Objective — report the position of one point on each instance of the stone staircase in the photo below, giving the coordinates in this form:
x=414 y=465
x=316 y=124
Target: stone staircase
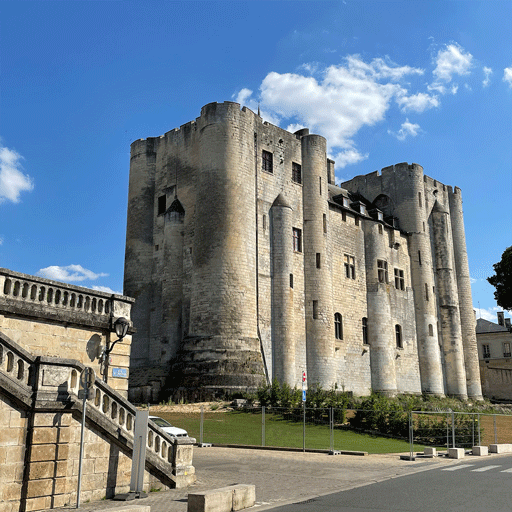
x=43 y=394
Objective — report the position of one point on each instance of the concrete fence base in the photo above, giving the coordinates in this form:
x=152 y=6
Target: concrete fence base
x=225 y=499
x=456 y=453
x=500 y=448
x=480 y=450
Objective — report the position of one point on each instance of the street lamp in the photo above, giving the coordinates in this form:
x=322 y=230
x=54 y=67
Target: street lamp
x=121 y=326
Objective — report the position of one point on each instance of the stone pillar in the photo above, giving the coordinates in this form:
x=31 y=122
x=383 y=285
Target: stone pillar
x=283 y=340
x=317 y=271
x=381 y=329
x=448 y=306
x=467 y=316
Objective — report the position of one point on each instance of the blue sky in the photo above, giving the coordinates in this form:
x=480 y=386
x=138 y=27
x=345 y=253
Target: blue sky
x=385 y=82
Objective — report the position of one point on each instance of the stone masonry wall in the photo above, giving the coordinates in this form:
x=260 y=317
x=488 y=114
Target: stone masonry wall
x=13 y=433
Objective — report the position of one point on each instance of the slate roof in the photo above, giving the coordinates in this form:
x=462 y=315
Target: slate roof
x=486 y=326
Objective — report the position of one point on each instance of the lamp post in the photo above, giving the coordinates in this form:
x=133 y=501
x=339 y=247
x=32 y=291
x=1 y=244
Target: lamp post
x=121 y=327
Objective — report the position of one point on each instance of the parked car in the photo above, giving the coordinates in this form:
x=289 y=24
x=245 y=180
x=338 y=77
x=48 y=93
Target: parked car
x=168 y=428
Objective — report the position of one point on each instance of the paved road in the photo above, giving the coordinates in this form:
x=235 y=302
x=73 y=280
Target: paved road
x=282 y=477
x=480 y=484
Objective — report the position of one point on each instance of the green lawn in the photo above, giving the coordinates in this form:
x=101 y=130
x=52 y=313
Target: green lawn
x=246 y=428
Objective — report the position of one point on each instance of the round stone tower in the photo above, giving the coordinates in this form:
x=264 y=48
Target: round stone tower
x=411 y=210
x=172 y=281
x=381 y=334
x=467 y=316
x=223 y=348
x=283 y=339
x=317 y=272
x=448 y=305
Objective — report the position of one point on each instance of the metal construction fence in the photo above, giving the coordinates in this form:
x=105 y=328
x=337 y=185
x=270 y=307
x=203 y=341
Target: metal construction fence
x=333 y=429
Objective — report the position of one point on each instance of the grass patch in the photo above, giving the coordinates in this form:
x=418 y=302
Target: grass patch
x=236 y=427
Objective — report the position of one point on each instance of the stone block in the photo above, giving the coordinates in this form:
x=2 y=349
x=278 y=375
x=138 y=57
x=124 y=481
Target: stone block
x=430 y=452
x=480 y=450
x=37 y=488
x=244 y=496
x=215 y=500
x=40 y=503
x=500 y=448
x=60 y=500
x=456 y=453
x=10 y=491
x=50 y=419
x=47 y=469
x=12 y=436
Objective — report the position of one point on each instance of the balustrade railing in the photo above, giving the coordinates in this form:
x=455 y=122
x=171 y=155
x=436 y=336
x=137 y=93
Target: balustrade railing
x=52 y=294
x=19 y=366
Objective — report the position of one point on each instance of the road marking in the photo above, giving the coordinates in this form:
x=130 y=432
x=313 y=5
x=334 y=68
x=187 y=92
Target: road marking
x=455 y=468
x=485 y=468
x=509 y=470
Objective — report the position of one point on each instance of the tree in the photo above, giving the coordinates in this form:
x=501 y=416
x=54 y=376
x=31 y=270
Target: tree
x=502 y=280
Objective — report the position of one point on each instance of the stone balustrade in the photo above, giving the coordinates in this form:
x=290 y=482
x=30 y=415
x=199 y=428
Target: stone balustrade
x=44 y=297
x=59 y=380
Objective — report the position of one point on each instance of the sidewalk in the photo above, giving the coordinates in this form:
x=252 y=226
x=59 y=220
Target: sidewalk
x=280 y=477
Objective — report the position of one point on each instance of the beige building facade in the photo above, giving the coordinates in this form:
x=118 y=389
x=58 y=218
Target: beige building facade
x=248 y=263
x=494 y=352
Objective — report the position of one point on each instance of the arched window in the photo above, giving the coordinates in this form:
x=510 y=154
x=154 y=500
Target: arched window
x=365 y=330
x=430 y=330
x=398 y=336
x=338 y=326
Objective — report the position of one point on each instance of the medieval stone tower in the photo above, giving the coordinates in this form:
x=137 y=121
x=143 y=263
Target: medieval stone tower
x=248 y=263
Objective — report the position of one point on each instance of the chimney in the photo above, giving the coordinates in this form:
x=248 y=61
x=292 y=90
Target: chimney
x=501 y=318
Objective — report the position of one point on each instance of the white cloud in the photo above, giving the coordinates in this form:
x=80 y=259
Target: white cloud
x=406 y=129
x=452 y=61
x=106 y=289
x=348 y=157
x=71 y=273
x=339 y=100
x=507 y=76
x=12 y=179
x=487 y=79
x=417 y=102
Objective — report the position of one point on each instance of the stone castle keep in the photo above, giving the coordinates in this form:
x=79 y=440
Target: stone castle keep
x=248 y=263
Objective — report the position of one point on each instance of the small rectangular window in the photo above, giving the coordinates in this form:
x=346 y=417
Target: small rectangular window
x=356 y=221
x=419 y=257
x=317 y=260
x=398 y=336
x=264 y=222
x=365 y=330
x=325 y=223
x=350 y=266
x=506 y=349
x=320 y=184
x=426 y=292
x=343 y=216
x=315 y=309
x=296 y=173
x=268 y=161
x=419 y=199
x=381 y=231
x=486 y=351
x=382 y=271
x=291 y=280
x=161 y=204
x=399 y=279
x=297 y=240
